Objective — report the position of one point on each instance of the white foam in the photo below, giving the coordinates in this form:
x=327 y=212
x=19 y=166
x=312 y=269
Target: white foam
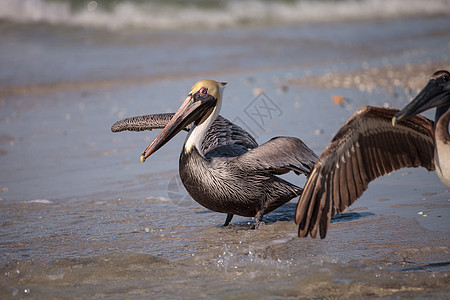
x=42 y=201
x=157 y=199
x=171 y=15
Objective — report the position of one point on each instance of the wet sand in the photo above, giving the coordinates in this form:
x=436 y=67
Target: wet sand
x=83 y=218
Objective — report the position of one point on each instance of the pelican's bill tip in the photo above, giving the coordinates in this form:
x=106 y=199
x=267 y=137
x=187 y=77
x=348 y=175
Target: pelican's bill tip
x=394 y=121
x=142 y=158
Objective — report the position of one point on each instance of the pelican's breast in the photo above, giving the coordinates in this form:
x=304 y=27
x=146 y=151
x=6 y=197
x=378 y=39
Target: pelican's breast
x=442 y=161
x=217 y=186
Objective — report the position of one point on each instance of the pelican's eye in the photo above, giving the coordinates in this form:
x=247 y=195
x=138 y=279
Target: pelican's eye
x=445 y=77
x=201 y=94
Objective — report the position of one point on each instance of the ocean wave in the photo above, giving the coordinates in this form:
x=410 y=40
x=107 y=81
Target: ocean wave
x=209 y=14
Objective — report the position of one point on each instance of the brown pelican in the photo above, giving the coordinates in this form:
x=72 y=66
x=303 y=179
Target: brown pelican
x=368 y=146
x=227 y=173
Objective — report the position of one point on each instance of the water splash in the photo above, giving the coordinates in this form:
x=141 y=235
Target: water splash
x=237 y=260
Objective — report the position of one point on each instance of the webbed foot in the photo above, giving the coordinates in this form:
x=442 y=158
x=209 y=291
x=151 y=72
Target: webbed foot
x=258 y=220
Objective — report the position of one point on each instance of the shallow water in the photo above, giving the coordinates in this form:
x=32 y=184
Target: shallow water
x=81 y=217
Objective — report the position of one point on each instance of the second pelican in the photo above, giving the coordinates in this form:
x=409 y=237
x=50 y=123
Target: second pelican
x=368 y=146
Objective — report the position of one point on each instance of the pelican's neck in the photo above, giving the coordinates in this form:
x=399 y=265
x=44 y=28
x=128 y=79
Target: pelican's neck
x=442 y=121
x=442 y=149
x=197 y=133
x=440 y=111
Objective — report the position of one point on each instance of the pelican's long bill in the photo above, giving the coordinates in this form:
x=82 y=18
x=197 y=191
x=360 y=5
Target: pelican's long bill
x=434 y=94
x=195 y=105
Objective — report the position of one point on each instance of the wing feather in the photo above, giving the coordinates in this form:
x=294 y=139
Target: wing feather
x=305 y=205
x=329 y=209
x=314 y=207
x=317 y=212
x=350 y=177
x=357 y=173
x=337 y=187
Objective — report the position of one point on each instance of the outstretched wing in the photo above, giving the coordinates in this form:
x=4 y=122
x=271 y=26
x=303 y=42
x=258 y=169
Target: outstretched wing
x=221 y=133
x=278 y=156
x=141 y=123
x=366 y=147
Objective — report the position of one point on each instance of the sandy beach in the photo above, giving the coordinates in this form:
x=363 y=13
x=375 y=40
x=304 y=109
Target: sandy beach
x=81 y=217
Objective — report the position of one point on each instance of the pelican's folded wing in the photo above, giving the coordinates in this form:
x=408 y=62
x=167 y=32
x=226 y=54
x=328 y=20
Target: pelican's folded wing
x=280 y=155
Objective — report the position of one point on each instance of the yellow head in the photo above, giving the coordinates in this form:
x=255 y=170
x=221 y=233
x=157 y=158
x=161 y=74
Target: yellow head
x=201 y=106
x=211 y=87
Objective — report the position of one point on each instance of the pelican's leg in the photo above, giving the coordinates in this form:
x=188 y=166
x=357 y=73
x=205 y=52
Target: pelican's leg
x=258 y=219
x=228 y=220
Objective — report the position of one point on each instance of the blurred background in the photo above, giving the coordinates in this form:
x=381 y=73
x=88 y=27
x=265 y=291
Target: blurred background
x=80 y=216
